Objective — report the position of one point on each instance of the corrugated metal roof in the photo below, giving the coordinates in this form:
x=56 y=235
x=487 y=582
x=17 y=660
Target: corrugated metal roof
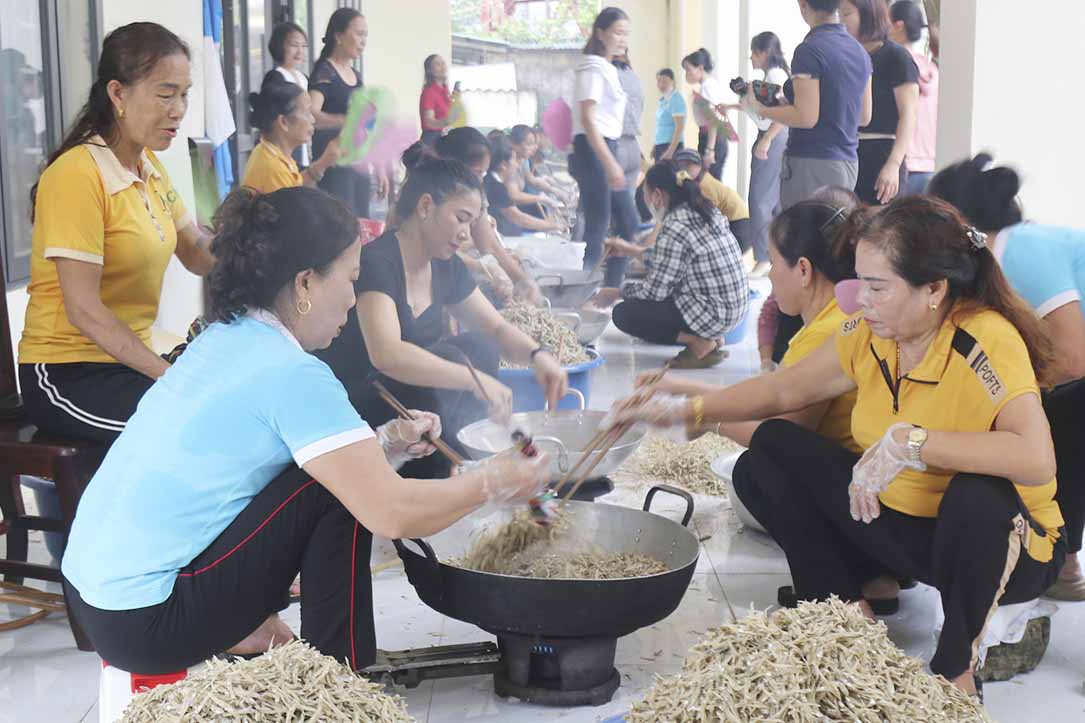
x=491 y=77
x=574 y=44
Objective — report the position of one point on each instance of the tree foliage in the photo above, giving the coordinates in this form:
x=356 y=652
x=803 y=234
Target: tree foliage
x=570 y=21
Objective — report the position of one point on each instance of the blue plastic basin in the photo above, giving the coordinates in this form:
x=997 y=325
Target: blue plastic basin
x=527 y=395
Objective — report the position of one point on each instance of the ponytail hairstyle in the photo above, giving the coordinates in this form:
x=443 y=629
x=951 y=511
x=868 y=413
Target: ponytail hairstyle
x=809 y=229
x=927 y=240
x=699 y=59
x=909 y=13
x=680 y=187
x=986 y=196
x=465 y=144
x=500 y=152
x=274 y=100
x=337 y=23
x=769 y=42
x=262 y=241
x=437 y=178
x=603 y=21
x=129 y=54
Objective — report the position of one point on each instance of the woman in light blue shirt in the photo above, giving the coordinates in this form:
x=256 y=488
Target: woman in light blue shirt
x=1045 y=265
x=670 y=117
x=246 y=463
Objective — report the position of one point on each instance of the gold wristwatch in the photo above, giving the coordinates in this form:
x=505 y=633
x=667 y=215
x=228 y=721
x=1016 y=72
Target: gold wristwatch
x=917 y=437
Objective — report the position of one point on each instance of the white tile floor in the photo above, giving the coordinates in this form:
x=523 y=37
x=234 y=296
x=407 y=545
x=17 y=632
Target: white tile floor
x=44 y=678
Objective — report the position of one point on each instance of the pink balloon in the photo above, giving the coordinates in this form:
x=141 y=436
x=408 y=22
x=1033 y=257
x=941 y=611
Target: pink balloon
x=557 y=123
x=847 y=295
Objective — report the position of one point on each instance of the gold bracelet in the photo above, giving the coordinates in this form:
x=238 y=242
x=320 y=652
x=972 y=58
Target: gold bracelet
x=698 y=411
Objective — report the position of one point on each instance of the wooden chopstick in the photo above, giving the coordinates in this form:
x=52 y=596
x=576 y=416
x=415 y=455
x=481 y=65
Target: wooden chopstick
x=602 y=442
x=405 y=413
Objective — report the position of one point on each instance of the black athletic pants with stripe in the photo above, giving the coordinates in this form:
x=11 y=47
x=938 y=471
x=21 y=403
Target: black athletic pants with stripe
x=973 y=552
x=293 y=525
x=82 y=400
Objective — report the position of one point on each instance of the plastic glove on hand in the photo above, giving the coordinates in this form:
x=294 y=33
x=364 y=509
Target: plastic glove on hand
x=512 y=477
x=658 y=410
x=405 y=439
x=876 y=470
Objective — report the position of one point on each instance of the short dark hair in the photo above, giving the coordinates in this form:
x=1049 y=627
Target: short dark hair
x=909 y=13
x=262 y=241
x=666 y=73
x=603 y=21
x=520 y=132
x=824 y=6
x=699 y=58
x=274 y=99
x=276 y=45
x=438 y=178
x=500 y=151
x=874 y=21
x=986 y=196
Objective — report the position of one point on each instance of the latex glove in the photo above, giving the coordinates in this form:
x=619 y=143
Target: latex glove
x=529 y=291
x=876 y=470
x=659 y=410
x=502 y=284
x=511 y=477
x=403 y=439
x=500 y=397
x=551 y=377
x=768 y=366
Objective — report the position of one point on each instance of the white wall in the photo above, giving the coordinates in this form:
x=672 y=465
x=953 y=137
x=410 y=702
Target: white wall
x=995 y=56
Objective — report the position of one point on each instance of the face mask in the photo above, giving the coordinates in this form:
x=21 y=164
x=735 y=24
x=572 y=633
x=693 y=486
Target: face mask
x=656 y=211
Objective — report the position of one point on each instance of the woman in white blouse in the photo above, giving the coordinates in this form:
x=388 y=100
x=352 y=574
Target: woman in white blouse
x=289 y=48
x=711 y=143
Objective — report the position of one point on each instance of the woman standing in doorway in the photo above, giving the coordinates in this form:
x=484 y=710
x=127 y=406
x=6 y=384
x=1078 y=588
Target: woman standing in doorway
x=711 y=142
x=884 y=142
x=289 y=48
x=766 y=55
x=598 y=112
x=334 y=79
x=436 y=99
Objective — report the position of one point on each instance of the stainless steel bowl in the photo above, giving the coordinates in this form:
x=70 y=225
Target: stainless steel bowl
x=568 y=288
x=587 y=324
x=564 y=435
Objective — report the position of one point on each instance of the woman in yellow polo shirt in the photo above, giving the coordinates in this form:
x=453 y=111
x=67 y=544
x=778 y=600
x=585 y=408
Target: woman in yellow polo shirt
x=283 y=113
x=948 y=412
x=106 y=222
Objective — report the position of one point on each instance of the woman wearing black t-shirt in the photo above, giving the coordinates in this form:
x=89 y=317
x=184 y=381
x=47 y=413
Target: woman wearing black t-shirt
x=331 y=84
x=884 y=142
x=398 y=332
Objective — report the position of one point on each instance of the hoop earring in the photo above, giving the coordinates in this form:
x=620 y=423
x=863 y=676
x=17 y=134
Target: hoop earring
x=304 y=306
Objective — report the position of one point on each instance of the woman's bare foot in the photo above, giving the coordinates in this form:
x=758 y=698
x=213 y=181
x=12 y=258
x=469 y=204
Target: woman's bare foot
x=700 y=346
x=965 y=682
x=881 y=588
x=1071 y=569
x=272 y=633
x=866 y=610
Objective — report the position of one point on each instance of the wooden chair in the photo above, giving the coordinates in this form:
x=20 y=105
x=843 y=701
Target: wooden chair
x=69 y=463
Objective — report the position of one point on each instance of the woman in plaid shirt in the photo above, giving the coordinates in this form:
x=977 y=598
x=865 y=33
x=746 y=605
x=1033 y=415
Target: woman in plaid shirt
x=696 y=288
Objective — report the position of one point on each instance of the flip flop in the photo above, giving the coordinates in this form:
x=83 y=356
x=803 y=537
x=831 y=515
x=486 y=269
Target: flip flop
x=686 y=359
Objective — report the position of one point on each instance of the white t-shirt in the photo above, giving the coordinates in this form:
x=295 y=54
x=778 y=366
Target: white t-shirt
x=776 y=76
x=597 y=79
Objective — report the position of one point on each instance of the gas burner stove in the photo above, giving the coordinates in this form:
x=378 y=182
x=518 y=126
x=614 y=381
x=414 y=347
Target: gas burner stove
x=553 y=672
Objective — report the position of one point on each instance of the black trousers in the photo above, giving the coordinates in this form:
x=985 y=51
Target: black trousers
x=294 y=525
x=716 y=169
x=743 y=233
x=457 y=408
x=600 y=206
x=83 y=400
x=972 y=552
x=349 y=186
x=657 y=322
x=873 y=154
x=749 y=492
x=1065 y=407
x=660 y=148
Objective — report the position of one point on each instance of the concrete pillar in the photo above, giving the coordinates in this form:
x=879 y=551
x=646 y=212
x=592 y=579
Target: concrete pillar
x=1003 y=90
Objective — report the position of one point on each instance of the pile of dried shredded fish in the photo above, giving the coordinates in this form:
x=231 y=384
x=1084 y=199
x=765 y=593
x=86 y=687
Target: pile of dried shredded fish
x=689 y=466
x=819 y=662
x=524 y=549
x=546 y=329
x=290 y=683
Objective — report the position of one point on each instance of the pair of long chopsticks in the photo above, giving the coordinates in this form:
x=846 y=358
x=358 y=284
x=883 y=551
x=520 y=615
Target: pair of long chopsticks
x=395 y=404
x=601 y=443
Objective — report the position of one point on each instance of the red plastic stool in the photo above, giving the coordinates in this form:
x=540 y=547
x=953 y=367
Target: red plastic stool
x=117 y=687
